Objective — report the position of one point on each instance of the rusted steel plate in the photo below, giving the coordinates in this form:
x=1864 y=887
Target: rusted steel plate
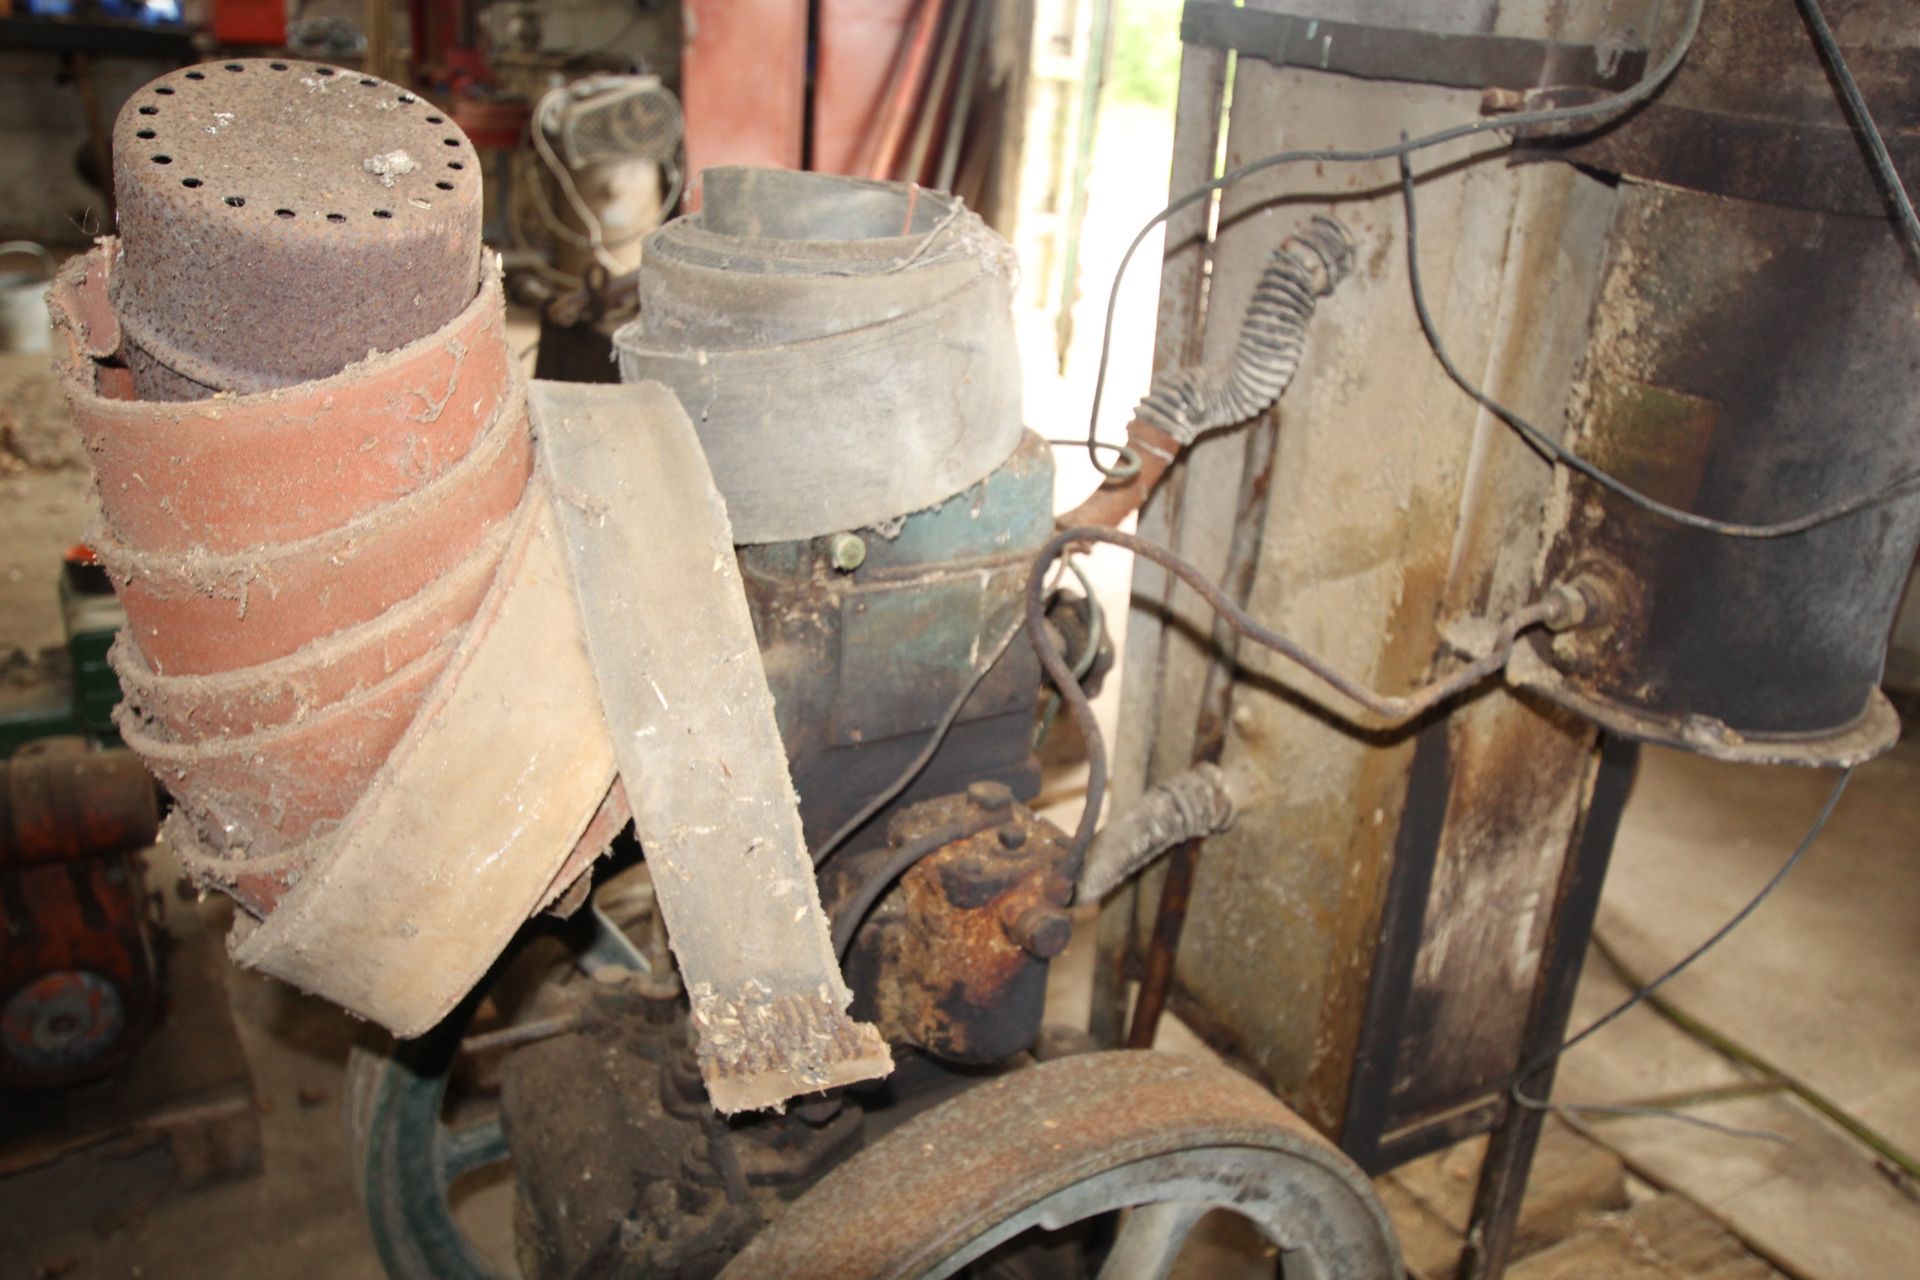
x=281 y=219
x=1376 y=51
x=1368 y=557
x=679 y=675
x=1003 y=1146
x=1752 y=113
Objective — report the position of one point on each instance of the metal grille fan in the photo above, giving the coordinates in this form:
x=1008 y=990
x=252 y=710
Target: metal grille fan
x=604 y=119
x=607 y=118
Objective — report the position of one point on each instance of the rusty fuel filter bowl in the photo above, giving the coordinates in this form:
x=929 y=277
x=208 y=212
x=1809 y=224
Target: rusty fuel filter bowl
x=280 y=220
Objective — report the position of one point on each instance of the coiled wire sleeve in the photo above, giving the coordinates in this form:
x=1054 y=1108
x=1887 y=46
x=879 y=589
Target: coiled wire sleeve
x=1187 y=402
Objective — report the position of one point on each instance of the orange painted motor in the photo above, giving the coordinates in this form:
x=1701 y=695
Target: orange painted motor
x=78 y=981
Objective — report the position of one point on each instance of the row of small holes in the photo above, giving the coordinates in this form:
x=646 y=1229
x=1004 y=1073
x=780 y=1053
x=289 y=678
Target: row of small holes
x=238 y=202
x=406 y=99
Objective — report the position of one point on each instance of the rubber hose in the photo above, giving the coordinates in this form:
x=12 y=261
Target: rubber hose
x=1197 y=802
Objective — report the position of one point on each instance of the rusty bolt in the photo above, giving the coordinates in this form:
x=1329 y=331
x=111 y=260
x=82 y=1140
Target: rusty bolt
x=990 y=795
x=1568 y=608
x=1011 y=837
x=1042 y=932
x=846 y=551
x=1583 y=602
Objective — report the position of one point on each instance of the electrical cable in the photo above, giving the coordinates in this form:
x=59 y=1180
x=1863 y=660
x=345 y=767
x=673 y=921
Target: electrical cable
x=1641 y=1111
x=1540 y=1063
x=1554 y=451
x=595 y=236
x=1550 y=448
x=1393 y=708
x=1089 y=653
x=1772 y=1074
x=826 y=848
x=1877 y=154
x=1549 y=118
x=1127 y=459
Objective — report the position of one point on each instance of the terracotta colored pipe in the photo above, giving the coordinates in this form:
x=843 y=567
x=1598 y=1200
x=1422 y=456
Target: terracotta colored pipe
x=1113 y=502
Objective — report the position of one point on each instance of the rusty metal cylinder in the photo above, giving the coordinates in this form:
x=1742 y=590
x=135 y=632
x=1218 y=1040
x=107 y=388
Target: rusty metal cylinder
x=1753 y=360
x=282 y=219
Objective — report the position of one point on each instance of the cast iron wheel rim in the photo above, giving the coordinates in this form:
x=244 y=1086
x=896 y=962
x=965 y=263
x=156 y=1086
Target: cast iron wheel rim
x=406 y=1158
x=1161 y=1140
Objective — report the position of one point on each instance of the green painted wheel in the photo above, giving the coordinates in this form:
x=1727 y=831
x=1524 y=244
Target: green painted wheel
x=405 y=1155
x=407 y=1158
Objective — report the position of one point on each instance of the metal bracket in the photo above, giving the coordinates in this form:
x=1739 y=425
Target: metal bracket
x=1460 y=60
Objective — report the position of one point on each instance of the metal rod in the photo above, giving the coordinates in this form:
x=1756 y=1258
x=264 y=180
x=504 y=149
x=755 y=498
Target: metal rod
x=970 y=67
x=1509 y=1158
x=1210 y=729
x=953 y=26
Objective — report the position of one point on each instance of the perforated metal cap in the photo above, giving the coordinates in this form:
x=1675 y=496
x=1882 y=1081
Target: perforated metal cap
x=280 y=220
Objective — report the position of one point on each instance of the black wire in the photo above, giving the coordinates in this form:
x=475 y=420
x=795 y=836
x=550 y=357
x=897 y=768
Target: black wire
x=1714 y=939
x=881 y=799
x=1896 y=190
x=1637 y=92
x=1550 y=448
x=1392 y=708
x=1554 y=451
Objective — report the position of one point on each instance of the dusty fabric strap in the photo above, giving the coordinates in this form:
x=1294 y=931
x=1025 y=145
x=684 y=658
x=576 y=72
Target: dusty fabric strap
x=684 y=693
x=459 y=838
